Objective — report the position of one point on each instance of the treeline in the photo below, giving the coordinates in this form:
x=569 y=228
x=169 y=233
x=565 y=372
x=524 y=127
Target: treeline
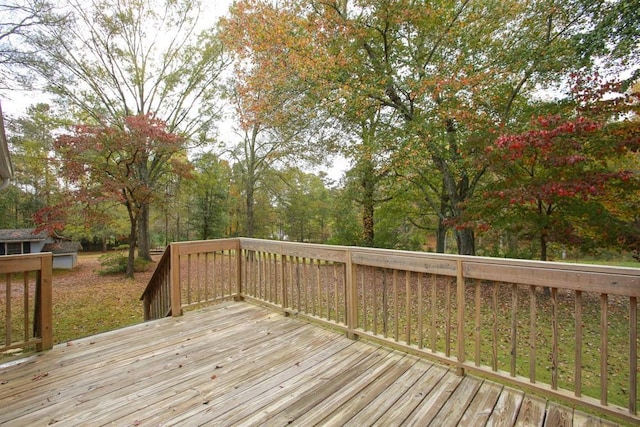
x=478 y=127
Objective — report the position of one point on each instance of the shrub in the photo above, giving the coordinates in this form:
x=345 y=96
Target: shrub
x=116 y=262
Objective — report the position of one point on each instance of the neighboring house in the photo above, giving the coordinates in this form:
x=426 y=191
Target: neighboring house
x=6 y=170
x=27 y=241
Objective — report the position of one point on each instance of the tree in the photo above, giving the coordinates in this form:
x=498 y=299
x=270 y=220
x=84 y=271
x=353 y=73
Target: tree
x=18 y=19
x=126 y=164
x=208 y=195
x=271 y=139
x=560 y=180
x=31 y=140
x=614 y=36
x=302 y=205
x=450 y=75
x=136 y=57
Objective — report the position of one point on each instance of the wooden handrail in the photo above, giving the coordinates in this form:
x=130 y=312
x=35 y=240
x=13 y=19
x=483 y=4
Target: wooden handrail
x=157 y=293
x=28 y=309
x=483 y=315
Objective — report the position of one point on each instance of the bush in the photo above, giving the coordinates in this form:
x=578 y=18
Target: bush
x=116 y=262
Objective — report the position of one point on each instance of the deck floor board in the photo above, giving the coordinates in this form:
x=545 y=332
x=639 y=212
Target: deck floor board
x=239 y=364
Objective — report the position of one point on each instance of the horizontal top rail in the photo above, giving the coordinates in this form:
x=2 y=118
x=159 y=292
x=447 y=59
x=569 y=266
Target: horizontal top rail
x=22 y=263
x=307 y=250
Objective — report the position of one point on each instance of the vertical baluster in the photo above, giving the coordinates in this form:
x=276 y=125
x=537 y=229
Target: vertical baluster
x=199 y=275
x=214 y=276
x=255 y=265
x=434 y=321
x=273 y=289
x=276 y=289
x=396 y=323
x=365 y=310
x=633 y=355
x=420 y=313
x=478 y=321
x=335 y=291
x=7 y=318
x=292 y=282
x=514 y=329
x=232 y=268
x=578 y=338
x=327 y=286
x=298 y=284
x=554 y=338
x=461 y=310
x=374 y=305
x=283 y=280
x=604 y=348
x=25 y=294
x=447 y=342
x=385 y=304
x=407 y=310
x=533 y=314
x=305 y=287
x=319 y=287
x=206 y=279
x=189 y=279
x=268 y=278
x=494 y=336
x=312 y=287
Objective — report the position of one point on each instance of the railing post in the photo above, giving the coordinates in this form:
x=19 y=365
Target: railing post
x=174 y=275
x=44 y=304
x=460 y=288
x=351 y=298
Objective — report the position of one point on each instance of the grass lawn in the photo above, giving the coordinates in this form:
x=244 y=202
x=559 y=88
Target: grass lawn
x=85 y=303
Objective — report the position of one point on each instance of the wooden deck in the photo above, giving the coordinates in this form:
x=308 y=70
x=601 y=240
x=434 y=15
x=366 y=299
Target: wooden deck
x=239 y=364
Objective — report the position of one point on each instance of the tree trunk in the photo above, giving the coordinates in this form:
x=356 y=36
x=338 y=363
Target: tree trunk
x=368 y=224
x=466 y=241
x=368 y=183
x=132 y=247
x=543 y=245
x=441 y=235
x=250 y=212
x=546 y=291
x=144 y=239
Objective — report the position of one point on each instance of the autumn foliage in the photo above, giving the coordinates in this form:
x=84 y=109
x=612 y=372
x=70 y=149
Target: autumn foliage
x=563 y=180
x=124 y=164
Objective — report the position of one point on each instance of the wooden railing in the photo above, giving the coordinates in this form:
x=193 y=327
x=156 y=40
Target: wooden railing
x=191 y=274
x=26 y=303
x=567 y=331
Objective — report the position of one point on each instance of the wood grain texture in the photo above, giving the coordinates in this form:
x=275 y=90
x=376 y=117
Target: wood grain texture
x=239 y=364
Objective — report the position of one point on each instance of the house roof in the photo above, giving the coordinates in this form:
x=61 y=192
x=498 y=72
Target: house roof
x=22 y=235
x=62 y=247
x=6 y=169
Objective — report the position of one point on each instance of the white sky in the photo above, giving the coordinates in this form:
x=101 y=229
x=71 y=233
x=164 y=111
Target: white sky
x=15 y=102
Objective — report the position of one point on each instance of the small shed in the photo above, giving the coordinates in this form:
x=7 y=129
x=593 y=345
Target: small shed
x=28 y=241
x=65 y=253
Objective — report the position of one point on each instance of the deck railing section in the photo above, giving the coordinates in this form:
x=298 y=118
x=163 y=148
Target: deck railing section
x=26 y=302
x=191 y=274
x=568 y=331
x=308 y=280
